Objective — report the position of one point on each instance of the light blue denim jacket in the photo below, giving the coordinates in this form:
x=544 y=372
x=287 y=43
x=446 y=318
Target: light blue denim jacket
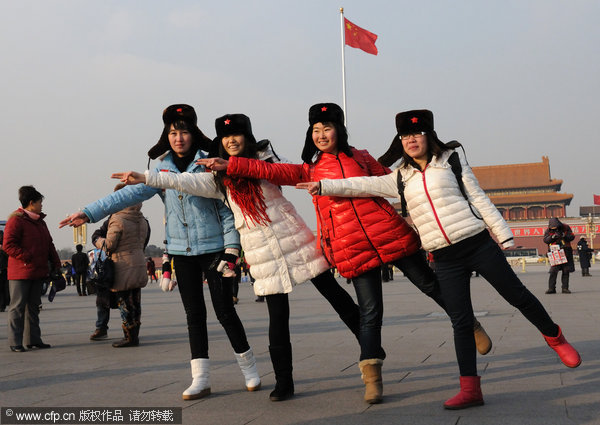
x=194 y=225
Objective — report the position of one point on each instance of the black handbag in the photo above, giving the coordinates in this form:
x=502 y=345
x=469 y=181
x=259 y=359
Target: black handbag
x=104 y=271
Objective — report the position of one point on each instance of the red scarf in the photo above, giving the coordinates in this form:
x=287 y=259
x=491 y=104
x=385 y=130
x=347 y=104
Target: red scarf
x=248 y=195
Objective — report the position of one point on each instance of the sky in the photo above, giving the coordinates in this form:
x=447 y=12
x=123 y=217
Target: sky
x=84 y=84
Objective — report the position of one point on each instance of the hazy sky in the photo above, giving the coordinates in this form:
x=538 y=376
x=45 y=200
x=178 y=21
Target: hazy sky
x=84 y=84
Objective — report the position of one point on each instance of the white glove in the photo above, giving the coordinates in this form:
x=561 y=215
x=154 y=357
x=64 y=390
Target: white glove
x=166 y=284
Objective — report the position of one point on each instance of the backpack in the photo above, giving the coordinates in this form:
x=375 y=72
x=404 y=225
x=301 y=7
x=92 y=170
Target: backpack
x=454 y=162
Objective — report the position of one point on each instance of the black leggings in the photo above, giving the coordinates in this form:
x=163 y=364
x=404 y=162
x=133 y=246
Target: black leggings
x=279 y=319
x=189 y=272
x=340 y=300
x=417 y=270
x=482 y=254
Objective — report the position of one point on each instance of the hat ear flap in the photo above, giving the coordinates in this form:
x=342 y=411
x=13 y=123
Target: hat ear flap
x=393 y=154
x=215 y=148
x=201 y=141
x=161 y=146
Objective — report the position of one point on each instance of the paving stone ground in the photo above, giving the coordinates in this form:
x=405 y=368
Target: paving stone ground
x=523 y=381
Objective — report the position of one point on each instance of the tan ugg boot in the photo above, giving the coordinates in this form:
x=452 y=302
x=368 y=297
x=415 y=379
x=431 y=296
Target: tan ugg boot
x=370 y=370
x=482 y=340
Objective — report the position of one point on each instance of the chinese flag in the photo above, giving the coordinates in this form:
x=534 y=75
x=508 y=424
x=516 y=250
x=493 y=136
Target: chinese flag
x=360 y=38
x=596 y=200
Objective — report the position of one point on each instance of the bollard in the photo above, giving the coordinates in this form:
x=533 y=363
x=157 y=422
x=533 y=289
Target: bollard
x=523 y=265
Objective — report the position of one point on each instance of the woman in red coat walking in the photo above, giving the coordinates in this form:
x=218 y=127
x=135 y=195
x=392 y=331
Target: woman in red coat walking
x=29 y=246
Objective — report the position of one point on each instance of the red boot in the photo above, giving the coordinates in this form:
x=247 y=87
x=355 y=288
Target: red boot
x=469 y=395
x=568 y=355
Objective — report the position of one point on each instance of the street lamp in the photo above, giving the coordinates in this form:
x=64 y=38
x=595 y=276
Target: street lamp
x=591 y=233
x=80 y=235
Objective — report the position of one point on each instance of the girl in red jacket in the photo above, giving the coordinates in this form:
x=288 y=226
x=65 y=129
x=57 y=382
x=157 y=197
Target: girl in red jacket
x=357 y=235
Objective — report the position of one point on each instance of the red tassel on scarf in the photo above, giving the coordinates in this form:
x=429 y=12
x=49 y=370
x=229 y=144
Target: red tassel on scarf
x=248 y=195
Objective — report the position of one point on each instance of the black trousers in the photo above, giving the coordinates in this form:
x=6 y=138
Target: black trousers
x=4 y=293
x=190 y=271
x=482 y=254
x=564 y=277
x=80 y=280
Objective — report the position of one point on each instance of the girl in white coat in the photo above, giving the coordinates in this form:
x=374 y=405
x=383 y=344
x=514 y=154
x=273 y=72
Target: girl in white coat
x=279 y=247
x=451 y=222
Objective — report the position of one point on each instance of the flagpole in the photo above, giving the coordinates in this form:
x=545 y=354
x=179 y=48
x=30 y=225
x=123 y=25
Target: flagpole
x=343 y=66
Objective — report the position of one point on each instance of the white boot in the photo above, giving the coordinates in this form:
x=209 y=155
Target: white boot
x=247 y=364
x=200 y=384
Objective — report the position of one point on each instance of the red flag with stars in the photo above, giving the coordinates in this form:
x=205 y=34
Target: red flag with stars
x=359 y=38
x=596 y=199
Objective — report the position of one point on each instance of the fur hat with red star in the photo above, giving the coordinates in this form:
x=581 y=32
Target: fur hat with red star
x=325 y=112
x=410 y=122
x=230 y=124
x=179 y=113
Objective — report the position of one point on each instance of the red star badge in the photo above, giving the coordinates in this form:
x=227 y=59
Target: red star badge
x=414 y=120
x=227 y=121
x=179 y=110
x=324 y=108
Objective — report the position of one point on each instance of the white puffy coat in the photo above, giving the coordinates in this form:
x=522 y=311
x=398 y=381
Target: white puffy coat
x=281 y=254
x=434 y=200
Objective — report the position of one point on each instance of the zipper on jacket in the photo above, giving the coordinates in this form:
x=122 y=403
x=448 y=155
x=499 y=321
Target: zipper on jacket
x=332 y=226
x=437 y=219
x=218 y=216
x=320 y=230
x=357 y=216
x=185 y=224
x=381 y=206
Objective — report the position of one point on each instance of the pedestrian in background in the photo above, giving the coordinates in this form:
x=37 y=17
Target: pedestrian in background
x=68 y=272
x=4 y=293
x=103 y=294
x=126 y=237
x=31 y=259
x=151 y=270
x=80 y=262
x=559 y=234
x=585 y=255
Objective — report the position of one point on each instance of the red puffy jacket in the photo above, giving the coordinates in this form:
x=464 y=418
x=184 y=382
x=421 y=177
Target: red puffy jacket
x=357 y=234
x=29 y=247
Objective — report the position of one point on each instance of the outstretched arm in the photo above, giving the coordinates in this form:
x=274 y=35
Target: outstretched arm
x=199 y=184
x=277 y=173
x=355 y=187
x=314 y=188
x=129 y=177
x=213 y=164
x=110 y=204
x=74 y=220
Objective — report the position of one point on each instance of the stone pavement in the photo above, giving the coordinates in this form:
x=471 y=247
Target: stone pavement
x=523 y=381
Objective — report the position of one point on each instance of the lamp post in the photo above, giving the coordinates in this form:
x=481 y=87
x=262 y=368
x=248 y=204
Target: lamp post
x=591 y=233
x=80 y=234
